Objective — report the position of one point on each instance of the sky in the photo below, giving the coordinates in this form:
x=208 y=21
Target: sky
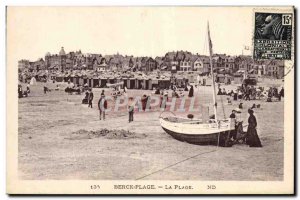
x=138 y=31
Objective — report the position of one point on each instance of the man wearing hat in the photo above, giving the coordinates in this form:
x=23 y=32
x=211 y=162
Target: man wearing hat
x=233 y=124
x=102 y=105
x=90 y=98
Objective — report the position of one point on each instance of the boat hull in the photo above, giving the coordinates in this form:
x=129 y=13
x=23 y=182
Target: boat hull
x=196 y=135
x=201 y=139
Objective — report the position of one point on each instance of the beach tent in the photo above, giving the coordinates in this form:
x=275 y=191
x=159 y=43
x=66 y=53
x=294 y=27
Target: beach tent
x=33 y=81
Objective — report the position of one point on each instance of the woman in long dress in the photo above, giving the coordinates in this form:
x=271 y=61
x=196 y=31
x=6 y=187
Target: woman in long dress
x=252 y=137
x=191 y=92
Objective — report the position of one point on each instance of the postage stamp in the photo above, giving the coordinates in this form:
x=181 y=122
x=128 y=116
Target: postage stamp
x=148 y=100
x=273 y=35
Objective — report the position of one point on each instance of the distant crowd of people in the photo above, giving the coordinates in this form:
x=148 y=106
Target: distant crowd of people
x=248 y=93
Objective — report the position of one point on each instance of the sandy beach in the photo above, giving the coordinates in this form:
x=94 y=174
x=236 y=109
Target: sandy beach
x=49 y=149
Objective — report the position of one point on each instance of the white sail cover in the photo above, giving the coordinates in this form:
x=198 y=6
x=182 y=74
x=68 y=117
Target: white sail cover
x=33 y=81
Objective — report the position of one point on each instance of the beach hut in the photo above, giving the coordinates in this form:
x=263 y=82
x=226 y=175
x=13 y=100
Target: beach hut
x=90 y=82
x=80 y=80
x=220 y=78
x=154 y=83
x=59 y=78
x=132 y=82
x=164 y=83
x=228 y=79
x=71 y=78
x=85 y=80
x=120 y=80
x=180 y=81
x=238 y=78
x=150 y=84
x=96 y=82
x=125 y=81
x=103 y=82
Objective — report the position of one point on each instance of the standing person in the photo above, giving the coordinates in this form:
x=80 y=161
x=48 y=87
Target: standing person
x=102 y=105
x=102 y=93
x=281 y=94
x=125 y=89
x=224 y=92
x=247 y=95
x=163 y=100
x=191 y=92
x=252 y=137
x=20 y=92
x=235 y=96
x=45 y=89
x=232 y=119
x=90 y=99
x=219 y=91
x=144 y=102
x=233 y=125
x=130 y=109
x=28 y=88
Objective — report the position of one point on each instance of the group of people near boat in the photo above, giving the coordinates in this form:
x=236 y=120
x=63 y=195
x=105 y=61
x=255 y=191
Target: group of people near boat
x=251 y=137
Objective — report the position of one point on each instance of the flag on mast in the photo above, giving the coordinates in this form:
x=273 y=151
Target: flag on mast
x=246 y=47
x=209 y=40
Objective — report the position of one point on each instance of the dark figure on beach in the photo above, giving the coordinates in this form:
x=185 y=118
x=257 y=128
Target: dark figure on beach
x=157 y=91
x=130 y=109
x=148 y=106
x=281 y=94
x=86 y=98
x=224 y=92
x=241 y=106
x=90 y=99
x=275 y=92
x=102 y=105
x=235 y=96
x=163 y=100
x=247 y=94
x=28 y=89
x=186 y=88
x=45 y=89
x=240 y=134
x=232 y=125
x=191 y=92
x=20 y=92
x=252 y=137
x=219 y=91
x=232 y=115
x=144 y=102
x=102 y=93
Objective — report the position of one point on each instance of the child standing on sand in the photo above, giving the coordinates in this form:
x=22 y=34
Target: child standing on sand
x=130 y=109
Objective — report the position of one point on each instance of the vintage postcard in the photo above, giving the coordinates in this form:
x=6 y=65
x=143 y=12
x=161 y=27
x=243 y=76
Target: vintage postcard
x=150 y=100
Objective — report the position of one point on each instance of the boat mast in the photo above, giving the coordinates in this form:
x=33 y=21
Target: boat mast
x=212 y=72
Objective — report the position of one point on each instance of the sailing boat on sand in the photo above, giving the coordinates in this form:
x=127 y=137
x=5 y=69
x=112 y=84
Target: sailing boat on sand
x=213 y=131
